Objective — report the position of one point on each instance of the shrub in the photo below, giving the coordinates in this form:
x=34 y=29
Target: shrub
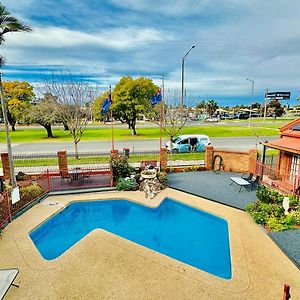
x=163 y=180
x=276 y=224
x=293 y=218
x=268 y=195
x=126 y=184
x=120 y=166
x=259 y=217
x=30 y=192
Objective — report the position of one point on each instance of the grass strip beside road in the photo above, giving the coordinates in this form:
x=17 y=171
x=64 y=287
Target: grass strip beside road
x=23 y=135
x=89 y=160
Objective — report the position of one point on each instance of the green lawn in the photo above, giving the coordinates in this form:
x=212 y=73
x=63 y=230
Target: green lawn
x=52 y=161
x=25 y=134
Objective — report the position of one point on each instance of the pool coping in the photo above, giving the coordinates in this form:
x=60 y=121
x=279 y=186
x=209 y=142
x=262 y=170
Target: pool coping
x=242 y=277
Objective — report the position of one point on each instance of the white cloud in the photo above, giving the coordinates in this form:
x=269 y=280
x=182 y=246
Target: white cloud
x=117 y=38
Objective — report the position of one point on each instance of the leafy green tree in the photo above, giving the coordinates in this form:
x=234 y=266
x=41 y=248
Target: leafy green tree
x=132 y=98
x=18 y=96
x=201 y=105
x=43 y=114
x=275 y=107
x=96 y=107
x=211 y=107
x=8 y=23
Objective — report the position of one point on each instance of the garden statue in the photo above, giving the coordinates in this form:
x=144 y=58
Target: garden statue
x=286 y=205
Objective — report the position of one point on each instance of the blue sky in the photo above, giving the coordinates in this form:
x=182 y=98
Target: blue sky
x=101 y=41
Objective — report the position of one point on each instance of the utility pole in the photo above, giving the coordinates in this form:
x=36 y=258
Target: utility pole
x=8 y=143
x=265 y=108
x=252 y=88
x=182 y=80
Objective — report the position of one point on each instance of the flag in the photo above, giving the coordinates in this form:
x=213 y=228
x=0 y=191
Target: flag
x=156 y=98
x=106 y=104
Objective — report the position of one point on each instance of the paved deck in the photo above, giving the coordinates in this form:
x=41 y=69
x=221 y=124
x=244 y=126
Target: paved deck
x=216 y=187
x=105 y=266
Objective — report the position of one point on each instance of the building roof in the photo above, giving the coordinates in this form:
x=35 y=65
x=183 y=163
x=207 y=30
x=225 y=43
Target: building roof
x=291 y=129
x=286 y=143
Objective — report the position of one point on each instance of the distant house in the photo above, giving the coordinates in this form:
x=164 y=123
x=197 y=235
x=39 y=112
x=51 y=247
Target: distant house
x=286 y=175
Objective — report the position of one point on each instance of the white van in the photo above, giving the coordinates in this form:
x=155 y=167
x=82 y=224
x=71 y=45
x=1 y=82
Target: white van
x=189 y=143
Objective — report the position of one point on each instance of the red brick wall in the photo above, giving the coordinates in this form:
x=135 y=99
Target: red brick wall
x=232 y=161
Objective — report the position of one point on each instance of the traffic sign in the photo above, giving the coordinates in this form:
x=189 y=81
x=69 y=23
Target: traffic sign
x=278 y=96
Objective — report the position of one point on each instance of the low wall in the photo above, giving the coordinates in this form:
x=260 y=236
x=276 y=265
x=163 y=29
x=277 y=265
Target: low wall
x=230 y=160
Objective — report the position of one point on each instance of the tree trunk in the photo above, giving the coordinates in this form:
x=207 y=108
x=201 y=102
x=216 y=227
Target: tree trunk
x=49 y=131
x=76 y=150
x=66 y=127
x=13 y=128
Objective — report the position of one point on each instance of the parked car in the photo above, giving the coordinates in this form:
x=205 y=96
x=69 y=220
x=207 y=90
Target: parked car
x=227 y=117
x=243 y=116
x=212 y=119
x=188 y=143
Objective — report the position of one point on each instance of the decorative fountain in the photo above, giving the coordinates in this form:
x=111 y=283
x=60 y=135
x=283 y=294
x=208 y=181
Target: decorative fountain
x=149 y=183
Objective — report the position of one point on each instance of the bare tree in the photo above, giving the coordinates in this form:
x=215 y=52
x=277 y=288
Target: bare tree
x=169 y=115
x=70 y=106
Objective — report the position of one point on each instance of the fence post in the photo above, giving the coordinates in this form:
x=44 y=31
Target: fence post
x=62 y=161
x=252 y=161
x=5 y=166
x=163 y=159
x=48 y=180
x=209 y=153
x=8 y=206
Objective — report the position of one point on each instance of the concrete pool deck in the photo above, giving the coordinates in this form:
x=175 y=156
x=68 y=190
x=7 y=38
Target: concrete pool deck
x=105 y=266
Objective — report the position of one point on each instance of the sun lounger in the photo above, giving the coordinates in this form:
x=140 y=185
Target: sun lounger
x=7 y=277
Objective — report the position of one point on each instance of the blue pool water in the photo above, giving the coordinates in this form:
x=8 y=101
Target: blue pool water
x=174 y=229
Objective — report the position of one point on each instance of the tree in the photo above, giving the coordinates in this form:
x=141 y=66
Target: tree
x=132 y=98
x=275 y=107
x=173 y=120
x=8 y=24
x=42 y=113
x=18 y=96
x=211 y=107
x=69 y=106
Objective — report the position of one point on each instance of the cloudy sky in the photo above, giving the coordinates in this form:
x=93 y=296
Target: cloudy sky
x=102 y=40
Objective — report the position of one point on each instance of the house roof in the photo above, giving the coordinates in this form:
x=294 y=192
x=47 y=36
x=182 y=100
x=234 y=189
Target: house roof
x=291 y=129
x=286 y=143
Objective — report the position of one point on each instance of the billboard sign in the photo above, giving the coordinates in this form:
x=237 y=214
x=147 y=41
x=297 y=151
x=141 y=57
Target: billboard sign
x=278 y=96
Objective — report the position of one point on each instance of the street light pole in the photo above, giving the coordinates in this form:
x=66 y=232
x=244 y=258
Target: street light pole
x=252 y=88
x=8 y=143
x=182 y=80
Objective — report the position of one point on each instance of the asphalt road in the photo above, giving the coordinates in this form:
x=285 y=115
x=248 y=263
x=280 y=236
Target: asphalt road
x=234 y=143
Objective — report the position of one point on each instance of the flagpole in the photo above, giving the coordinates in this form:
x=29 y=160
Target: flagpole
x=112 y=123
x=160 y=113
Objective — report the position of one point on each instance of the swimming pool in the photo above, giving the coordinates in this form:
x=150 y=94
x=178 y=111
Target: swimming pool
x=179 y=231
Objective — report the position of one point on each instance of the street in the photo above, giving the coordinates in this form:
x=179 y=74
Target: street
x=234 y=143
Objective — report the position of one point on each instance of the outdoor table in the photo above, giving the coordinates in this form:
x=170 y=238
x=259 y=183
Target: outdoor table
x=76 y=174
x=240 y=181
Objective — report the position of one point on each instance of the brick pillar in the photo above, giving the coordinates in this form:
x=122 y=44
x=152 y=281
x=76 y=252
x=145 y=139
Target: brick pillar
x=5 y=166
x=62 y=160
x=252 y=160
x=113 y=152
x=163 y=158
x=209 y=154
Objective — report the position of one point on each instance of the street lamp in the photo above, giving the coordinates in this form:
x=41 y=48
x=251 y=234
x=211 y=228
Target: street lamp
x=252 y=88
x=182 y=80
